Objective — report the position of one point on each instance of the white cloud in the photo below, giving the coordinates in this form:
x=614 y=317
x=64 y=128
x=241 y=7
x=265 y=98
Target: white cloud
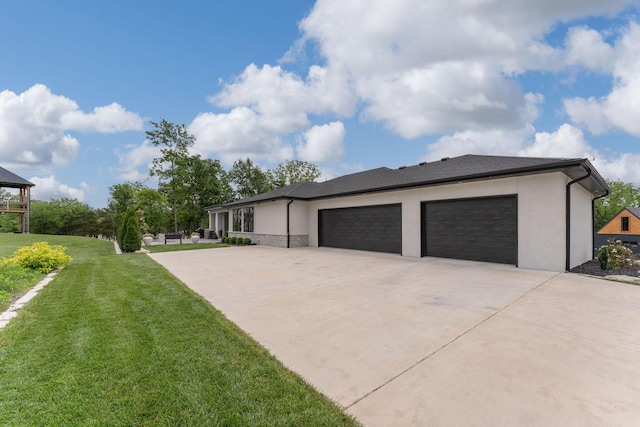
x=140 y=156
x=111 y=118
x=443 y=98
x=620 y=109
x=240 y=133
x=441 y=66
x=567 y=142
x=495 y=142
x=585 y=46
x=33 y=126
x=47 y=188
x=282 y=99
x=625 y=168
x=589 y=113
x=322 y=143
x=423 y=68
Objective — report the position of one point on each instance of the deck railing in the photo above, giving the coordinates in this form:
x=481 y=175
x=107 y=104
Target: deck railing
x=10 y=205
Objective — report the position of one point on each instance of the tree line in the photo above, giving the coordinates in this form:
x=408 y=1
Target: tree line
x=187 y=183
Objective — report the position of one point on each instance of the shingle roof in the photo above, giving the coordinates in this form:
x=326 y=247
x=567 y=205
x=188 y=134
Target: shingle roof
x=635 y=211
x=11 y=180
x=464 y=168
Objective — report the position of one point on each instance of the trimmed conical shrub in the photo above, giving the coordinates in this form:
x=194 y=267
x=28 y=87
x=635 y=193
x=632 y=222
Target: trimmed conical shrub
x=129 y=234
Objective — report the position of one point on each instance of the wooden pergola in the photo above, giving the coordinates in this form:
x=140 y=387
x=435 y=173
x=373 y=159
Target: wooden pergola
x=23 y=206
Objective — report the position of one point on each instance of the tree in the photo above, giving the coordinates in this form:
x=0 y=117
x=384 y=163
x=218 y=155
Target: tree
x=205 y=184
x=293 y=171
x=63 y=216
x=124 y=195
x=106 y=223
x=175 y=141
x=622 y=195
x=155 y=208
x=249 y=180
x=129 y=238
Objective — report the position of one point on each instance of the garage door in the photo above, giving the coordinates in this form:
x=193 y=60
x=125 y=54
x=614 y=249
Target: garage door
x=369 y=228
x=480 y=229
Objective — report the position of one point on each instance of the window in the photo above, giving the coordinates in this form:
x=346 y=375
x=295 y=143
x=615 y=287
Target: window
x=243 y=219
x=248 y=219
x=237 y=220
x=625 y=223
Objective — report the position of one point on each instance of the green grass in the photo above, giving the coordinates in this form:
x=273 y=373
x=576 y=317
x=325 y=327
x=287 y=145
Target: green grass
x=185 y=247
x=115 y=340
x=15 y=281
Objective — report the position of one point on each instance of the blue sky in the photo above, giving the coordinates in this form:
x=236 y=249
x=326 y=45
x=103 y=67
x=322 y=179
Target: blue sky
x=346 y=85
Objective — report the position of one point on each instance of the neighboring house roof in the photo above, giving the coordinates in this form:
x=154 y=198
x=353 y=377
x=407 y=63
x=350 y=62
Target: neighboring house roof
x=11 y=180
x=448 y=170
x=634 y=211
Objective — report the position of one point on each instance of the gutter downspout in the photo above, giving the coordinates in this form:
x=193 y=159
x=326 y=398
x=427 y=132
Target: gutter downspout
x=288 y=231
x=568 y=220
x=593 y=220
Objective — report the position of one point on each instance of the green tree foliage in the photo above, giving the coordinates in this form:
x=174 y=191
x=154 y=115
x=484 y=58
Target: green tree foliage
x=151 y=206
x=203 y=183
x=294 y=171
x=155 y=208
x=249 y=180
x=63 y=216
x=622 y=195
x=106 y=223
x=129 y=232
x=174 y=142
x=121 y=196
x=189 y=182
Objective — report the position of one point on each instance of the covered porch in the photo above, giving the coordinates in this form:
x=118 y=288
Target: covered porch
x=21 y=207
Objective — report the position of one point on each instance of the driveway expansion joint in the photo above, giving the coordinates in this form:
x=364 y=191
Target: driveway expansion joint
x=491 y=316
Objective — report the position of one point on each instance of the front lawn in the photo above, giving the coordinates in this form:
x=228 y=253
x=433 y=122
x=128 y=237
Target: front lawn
x=116 y=340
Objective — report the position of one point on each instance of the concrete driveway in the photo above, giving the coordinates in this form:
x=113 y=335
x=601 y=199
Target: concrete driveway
x=400 y=341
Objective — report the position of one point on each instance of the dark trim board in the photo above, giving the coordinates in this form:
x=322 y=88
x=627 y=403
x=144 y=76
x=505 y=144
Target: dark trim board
x=375 y=228
x=478 y=229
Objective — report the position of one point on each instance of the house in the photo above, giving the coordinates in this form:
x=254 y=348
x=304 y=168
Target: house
x=23 y=206
x=624 y=226
x=530 y=212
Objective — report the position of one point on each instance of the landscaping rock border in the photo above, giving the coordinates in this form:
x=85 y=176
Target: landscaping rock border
x=12 y=311
x=592 y=268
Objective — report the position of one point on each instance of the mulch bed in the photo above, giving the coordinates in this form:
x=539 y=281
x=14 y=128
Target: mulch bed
x=593 y=268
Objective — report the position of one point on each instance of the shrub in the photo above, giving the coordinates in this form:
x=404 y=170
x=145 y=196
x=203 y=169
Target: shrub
x=603 y=257
x=40 y=256
x=130 y=233
x=246 y=241
x=232 y=240
x=615 y=255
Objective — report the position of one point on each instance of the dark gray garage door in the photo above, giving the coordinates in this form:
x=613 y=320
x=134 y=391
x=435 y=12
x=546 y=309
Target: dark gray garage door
x=481 y=229
x=369 y=228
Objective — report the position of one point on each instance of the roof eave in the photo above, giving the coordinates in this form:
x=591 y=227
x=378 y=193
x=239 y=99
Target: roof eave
x=559 y=166
x=563 y=165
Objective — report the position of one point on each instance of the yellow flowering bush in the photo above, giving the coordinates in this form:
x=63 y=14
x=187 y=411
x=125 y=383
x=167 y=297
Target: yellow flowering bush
x=40 y=256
